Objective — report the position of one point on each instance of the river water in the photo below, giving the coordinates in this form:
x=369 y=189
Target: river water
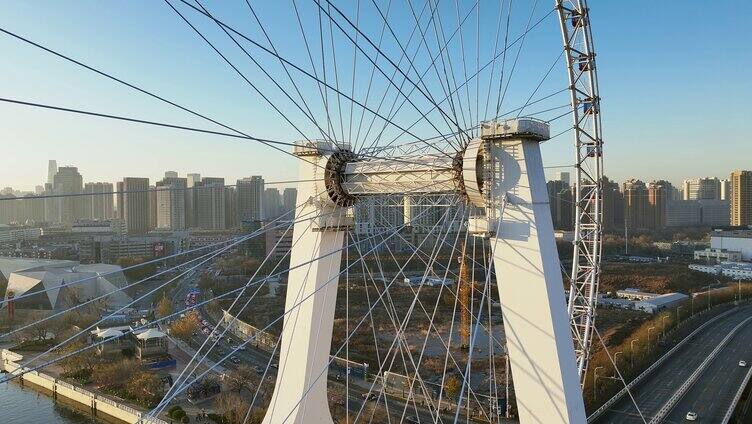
x=26 y=405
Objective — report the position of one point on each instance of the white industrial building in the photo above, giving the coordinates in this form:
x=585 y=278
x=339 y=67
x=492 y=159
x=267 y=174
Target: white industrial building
x=718 y=255
x=52 y=280
x=734 y=270
x=738 y=240
x=660 y=302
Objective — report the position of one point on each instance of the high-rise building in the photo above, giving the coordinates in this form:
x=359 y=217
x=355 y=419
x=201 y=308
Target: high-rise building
x=613 y=205
x=272 y=203
x=702 y=189
x=209 y=203
x=170 y=174
x=98 y=201
x=119 y=200
x=136 y=204
x=250 y=198
x=289 y=199
x=170 y=194
x=231 y=207
x=564 y=176
x=152 y=207
x=658 y=192
x=67 y=180
x=726 y=189
x=561 y=203
x=635 y=204
x=51 y=171
x=741 y=198
x=191 y=220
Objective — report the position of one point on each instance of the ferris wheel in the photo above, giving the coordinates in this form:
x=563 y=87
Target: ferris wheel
x=417 y=271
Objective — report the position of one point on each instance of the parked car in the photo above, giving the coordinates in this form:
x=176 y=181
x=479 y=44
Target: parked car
x=742 y=363
x=691 y=416
x=235 y=360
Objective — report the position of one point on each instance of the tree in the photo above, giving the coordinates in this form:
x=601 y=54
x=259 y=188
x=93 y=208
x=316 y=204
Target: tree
x=232 y=406
x=164 y=307
x=139 y=270
x=244 y=377
x=78 y=362
x=183 y=328
x=145 y=387
x=113 y=374
x=452 y=387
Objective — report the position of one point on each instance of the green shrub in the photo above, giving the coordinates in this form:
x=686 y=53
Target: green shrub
x=185 y=419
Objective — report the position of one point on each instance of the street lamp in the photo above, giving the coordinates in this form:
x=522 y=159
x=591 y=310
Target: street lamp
x=595 y=383
x=649 y=330
x=677 y=314
x=631 y=345
x=663 y=320
x=616 y=358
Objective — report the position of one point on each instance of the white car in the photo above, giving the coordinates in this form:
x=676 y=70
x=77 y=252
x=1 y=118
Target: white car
x=742 y=363
x=691 y=416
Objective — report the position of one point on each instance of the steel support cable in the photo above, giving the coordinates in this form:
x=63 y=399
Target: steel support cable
x=293 y=307
x=472 y=315
x=379 y=51
x=242 y=75
x=428 y=266
x=504 y=58
x=363 y=318
x=482 y=68
x=496 y=49
x=206 y=258
x=393 y=76
x=439 y=31
x=90 y=301
x=284 y=66
x=81 y=332
x=180 y=379
x=404 y=52
x=122 y=118
x=432 y=318
x=516 y=58
x=268 y=143
x=265 y=227
x=321 y=257
x=408 y=243
x=303 y=71
x=432 y=64
x=354 y=73
x=156 y=411
x=464 y=62
x=382 y=72
x=548 y=96
x=399 y=334
x=313 y=66
x=474 y=336
x=182 y=311
x=336 y=80
x=400 y=331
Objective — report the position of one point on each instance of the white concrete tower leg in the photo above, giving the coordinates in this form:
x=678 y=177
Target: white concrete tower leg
x=300 y=392
x=539 y=339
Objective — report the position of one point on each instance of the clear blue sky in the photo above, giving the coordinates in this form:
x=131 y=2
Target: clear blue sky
x=675 y=82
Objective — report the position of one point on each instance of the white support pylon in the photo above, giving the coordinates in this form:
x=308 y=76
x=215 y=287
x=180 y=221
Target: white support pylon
x=300 y=392
x=534 y=309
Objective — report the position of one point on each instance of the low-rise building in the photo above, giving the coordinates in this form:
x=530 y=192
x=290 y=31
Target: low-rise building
x=635 y=294
x=12 y=233
x=738 y=240
x=718 y=255
x=735 y=270
x=660 y=302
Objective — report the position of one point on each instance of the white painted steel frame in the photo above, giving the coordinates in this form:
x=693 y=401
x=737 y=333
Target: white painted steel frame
x=574 y=19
